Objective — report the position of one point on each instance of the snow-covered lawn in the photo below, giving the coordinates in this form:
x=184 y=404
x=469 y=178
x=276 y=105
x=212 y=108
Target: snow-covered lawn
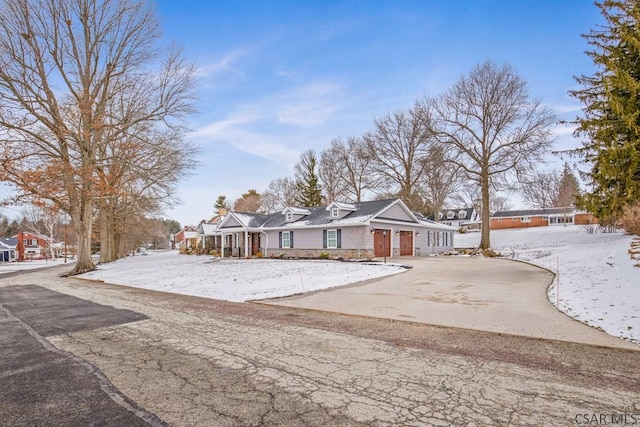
x=9 y=267
x=596 y=279
x=235 y=279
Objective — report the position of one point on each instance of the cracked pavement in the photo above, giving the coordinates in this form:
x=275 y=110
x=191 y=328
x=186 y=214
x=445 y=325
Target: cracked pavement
x=199 y=362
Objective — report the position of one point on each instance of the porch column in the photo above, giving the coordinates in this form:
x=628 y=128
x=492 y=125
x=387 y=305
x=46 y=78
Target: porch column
x=246 y=244
x=221 y=244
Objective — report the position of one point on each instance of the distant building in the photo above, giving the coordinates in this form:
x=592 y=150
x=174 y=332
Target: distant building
x=8 y=247
x=466 y=218
x=540 y=218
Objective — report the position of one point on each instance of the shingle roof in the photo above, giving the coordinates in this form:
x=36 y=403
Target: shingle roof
x=317 y=216
x=8 y=242
x=533 y=212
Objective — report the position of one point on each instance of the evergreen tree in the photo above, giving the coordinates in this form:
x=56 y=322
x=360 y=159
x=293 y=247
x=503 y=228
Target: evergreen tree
x=221 y=203
x=611 y=122
x=568 y=188
x=308 y=191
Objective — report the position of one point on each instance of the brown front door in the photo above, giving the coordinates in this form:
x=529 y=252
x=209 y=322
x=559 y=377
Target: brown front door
x=255 y=243
x=406 y=243
x=381 y=243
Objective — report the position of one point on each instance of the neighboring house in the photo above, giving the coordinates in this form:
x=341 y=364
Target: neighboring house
x=8 y=251
x=31 y=245
x=349 y=230
x=208 y=238
x=540 y=218
x=186 y=239
x=460 y=218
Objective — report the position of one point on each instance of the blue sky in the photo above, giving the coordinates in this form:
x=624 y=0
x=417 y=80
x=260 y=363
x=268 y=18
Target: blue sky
x=280 y=77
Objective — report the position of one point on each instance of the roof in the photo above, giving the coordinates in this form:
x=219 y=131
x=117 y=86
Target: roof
x=443 y=212
x=534 y=212
x=317 y=216
x=8 y=242
x=433 y=224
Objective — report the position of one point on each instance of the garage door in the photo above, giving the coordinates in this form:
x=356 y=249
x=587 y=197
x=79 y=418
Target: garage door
x=406 y=243
x=382 y=243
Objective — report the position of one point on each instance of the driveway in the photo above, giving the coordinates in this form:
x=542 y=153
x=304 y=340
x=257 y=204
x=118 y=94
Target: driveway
x=484 y=294
x=188 y=361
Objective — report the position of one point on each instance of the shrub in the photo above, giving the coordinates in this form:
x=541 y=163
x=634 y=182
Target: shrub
x=259 y=255
x=630 y=220
x=490 y=253
x=324 y=255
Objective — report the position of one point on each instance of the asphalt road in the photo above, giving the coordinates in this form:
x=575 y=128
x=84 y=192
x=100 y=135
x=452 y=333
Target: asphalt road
x=195 y=362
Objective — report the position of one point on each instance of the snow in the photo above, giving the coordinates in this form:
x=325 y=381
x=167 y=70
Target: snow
x=597 y=282
x=235 y=279
x=10 y=267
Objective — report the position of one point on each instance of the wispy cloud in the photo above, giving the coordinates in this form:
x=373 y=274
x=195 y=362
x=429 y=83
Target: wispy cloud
x=223 y=64
x=278 y=126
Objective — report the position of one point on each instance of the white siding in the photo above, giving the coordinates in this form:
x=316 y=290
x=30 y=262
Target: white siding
x=395 y=212
x=311 y=238
x=231 y=223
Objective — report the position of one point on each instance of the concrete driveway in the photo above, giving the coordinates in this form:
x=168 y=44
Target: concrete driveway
x=493 y=295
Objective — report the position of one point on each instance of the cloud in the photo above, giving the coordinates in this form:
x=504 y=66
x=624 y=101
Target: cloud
x=277 y=126
x=309 y=105
x=224 y=64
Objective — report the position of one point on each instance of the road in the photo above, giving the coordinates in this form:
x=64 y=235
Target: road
x=184 y=361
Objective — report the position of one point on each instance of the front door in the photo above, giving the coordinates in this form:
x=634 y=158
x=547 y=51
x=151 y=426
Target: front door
x=406 y=243
x=382 y=243
x=255 y=243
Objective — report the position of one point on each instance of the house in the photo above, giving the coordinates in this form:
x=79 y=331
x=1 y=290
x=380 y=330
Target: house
x=540 y=218
x=186 y=239
x=349 y=230
x=8 y=252
x=31 y=245
x=208 y=238
x=460 y=218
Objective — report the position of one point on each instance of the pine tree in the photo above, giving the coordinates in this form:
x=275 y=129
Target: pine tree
x=221 y=203
x=308 y=191
x=611 y=125
x=568 y=188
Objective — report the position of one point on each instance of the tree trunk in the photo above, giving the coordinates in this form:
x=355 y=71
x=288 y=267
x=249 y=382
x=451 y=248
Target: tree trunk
x=108 y=242
x=485 y=243
x=82 y=224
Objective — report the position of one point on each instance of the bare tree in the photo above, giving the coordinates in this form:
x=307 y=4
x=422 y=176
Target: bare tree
x=44 y=220
x=440 y=179
x=352 y=163
x=64 y=67
x=280 y=194
x=496 y=130
x=330 y=174
x=249 y=202
x=397 y=146
x=541 y=190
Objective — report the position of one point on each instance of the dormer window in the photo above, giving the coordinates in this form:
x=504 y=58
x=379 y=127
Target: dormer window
x=462 y=214
x=450 y=215
x=335 y=213
x=289 y=216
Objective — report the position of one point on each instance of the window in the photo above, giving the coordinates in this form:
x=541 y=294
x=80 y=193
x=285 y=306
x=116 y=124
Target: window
x=499 y=219
x=525 y=219
x=450 y=215
x=514 y=219
x=286 y=238
x=335 y=212
x=289 y=216
x=332 y=239
x=34 y=242
x=462 y=214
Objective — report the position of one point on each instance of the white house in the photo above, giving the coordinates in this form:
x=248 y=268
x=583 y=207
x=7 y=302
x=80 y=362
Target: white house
x=340 y=230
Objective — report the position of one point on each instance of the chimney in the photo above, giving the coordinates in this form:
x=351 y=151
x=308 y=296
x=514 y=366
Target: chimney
x=222 y=211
